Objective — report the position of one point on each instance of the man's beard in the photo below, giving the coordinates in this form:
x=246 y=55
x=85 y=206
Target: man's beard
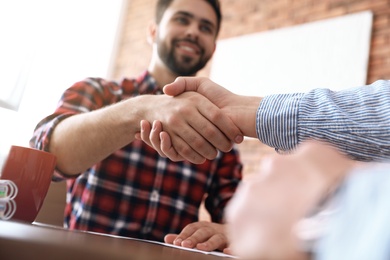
x=180 y=67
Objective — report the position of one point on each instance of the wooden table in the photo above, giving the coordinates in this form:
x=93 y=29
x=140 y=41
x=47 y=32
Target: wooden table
x=29 y=241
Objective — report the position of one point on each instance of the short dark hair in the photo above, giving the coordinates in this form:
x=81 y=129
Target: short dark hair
x=162 y=6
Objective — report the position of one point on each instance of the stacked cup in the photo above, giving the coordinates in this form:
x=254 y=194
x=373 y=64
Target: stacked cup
x=8 y=192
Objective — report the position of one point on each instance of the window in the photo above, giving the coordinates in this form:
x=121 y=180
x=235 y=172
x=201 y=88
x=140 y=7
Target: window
x=46 y=46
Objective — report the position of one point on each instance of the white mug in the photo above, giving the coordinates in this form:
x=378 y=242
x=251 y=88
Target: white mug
x=8 y=189
x=7 y=208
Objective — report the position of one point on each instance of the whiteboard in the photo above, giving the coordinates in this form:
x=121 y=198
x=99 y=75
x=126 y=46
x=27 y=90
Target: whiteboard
x=331 y=53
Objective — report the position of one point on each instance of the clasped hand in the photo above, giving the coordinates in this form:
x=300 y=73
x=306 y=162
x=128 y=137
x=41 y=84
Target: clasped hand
x=225 y=108
x=196 y=126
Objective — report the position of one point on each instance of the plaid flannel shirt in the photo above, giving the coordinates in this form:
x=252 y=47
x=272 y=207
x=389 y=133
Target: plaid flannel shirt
x=135 y=192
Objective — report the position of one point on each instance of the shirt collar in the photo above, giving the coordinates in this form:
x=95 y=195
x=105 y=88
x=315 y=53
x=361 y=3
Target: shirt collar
x=147 y=84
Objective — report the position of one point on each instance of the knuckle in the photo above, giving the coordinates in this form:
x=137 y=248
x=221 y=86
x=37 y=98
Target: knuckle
x=208 y=231
x=192 y=227
x=215 y=115
x=184 y=109
x=172 y=120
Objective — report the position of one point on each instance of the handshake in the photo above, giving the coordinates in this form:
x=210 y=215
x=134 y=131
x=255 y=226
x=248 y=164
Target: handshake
x=196 y=134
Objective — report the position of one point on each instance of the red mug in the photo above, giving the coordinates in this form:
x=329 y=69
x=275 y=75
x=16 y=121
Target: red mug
x=31 y=170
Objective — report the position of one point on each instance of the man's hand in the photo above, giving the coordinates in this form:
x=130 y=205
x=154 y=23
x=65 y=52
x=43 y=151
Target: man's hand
x=197 y=127
x=203 y=235
x=240 y=109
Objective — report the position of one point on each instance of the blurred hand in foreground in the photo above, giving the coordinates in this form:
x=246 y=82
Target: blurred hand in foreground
x=263 y=215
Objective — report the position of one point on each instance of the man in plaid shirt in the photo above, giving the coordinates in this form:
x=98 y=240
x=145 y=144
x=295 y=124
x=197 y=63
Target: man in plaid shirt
x=119 y=185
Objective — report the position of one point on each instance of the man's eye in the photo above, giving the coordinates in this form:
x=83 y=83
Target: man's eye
x=182 y=20
x=206 y=29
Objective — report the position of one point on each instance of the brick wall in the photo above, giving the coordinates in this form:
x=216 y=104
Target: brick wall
x=242 y=17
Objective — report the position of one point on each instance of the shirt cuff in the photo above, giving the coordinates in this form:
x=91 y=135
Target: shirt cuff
x=277 y=120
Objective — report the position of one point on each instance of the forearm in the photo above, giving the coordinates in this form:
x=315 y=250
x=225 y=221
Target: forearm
x=85 y=139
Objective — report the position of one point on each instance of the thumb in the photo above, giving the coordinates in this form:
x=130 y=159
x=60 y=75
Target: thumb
x=183 y=84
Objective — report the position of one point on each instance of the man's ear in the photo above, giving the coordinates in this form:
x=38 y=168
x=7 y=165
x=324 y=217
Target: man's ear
x=152 y=31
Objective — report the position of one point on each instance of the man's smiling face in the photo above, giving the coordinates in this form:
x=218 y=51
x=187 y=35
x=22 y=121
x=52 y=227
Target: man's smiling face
x=186 y=36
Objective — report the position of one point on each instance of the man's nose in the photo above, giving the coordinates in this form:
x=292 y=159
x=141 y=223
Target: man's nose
x=193 y=30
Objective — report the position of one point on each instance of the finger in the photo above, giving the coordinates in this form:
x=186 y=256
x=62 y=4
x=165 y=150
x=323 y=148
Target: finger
x=170 y=238
x=154 y=137
x=167 y=148
x=186 y=151
x=189 y=143
x=204 y=86
x=214 y=138
x=202 y=234
x=223 y=123
x=196 y=146
x=217 y=241
x=145 y=132
x=218 y=129
x=215 y=126
x=182 y=84
x=186 y=233
x=162 y=143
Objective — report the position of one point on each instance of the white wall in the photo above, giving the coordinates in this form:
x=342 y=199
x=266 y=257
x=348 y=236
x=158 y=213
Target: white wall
x=61 y=42
x=331 y=53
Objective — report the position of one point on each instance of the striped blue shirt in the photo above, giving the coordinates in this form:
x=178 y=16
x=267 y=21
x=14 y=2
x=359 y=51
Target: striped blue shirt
x=356 y=120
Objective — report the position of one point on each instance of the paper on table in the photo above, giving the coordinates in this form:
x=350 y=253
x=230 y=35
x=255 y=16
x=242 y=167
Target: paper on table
x=216 y=253
x=190 y=249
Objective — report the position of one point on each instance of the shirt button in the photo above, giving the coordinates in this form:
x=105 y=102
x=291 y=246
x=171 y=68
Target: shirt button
x=155 y=196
